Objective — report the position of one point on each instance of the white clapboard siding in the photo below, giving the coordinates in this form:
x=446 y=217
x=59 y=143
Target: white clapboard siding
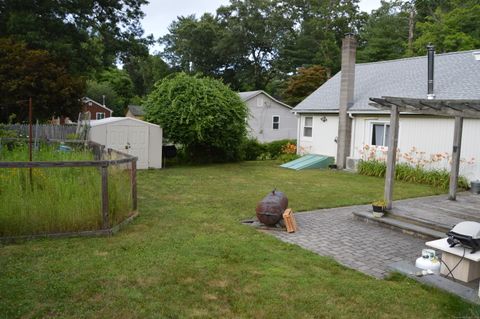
x=427 y=134
x=324 y=133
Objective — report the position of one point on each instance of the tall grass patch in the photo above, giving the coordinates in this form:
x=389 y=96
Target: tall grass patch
x=57 y=199
x=120 y=192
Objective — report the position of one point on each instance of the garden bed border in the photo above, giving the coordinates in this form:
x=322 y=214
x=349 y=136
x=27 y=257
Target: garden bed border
x=86 y=233
x=99 y=152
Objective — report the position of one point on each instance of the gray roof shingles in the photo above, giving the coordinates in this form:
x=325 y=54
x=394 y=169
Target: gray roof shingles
x=457 y=76
x=136 y=110
x=245 y=96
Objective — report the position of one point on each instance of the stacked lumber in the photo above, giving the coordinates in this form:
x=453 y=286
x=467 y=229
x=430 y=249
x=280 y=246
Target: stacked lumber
x=289 y=220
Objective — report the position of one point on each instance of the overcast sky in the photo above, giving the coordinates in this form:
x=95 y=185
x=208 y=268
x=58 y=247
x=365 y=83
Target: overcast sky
x=159 y=14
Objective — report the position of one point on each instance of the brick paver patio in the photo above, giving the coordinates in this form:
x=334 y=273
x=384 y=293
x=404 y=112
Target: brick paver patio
x=355 y=244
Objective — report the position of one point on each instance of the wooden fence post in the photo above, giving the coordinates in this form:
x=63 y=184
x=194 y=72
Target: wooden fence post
x=105 y=207
x=134 y=184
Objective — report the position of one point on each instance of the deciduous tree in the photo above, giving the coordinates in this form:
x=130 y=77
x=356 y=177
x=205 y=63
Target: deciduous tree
x=385 y=35
x=451 y=30
x=120 y=82
x=304 y=83
x=28 y=73
x=145 y=72
x=203 y=114
x=88 y=34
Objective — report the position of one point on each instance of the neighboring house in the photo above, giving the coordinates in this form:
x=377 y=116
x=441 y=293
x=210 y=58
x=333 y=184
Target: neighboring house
x=269 y=119
x=97 y=110
x=456 y=76
x=135 y=111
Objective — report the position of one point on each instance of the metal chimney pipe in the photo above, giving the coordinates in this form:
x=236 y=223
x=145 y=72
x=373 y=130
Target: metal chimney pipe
x=431 y=58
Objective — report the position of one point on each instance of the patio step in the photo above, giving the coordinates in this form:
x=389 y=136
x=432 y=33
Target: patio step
x=421 y=222
x=400 y=225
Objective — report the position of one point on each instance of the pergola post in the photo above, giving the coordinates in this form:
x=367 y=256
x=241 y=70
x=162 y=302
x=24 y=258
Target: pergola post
x=391 y=156
x=457 y=148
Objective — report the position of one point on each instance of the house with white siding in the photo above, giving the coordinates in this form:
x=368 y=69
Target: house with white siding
x=269 y=119
x=345 y=99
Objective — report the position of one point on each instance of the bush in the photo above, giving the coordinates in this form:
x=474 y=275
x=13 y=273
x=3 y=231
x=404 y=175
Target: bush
x=252 y=149
x=5 y=132
x=202 y=114
x=285 y=158
x=275 y=148
x=404 y=172
x=372 y=168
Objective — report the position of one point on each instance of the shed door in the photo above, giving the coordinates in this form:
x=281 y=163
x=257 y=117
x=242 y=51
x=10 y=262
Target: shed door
x=138 y=139
x=130 y=139
x=117 y=137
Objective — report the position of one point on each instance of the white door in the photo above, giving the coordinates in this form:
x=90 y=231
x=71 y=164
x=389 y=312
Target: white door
x=132 y=140
x=138 y=144
x=117 y=137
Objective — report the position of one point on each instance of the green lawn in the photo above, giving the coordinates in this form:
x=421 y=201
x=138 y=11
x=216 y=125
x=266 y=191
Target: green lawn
x=187 y=255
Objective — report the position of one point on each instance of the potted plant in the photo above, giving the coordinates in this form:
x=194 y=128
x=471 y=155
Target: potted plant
x=378 y=208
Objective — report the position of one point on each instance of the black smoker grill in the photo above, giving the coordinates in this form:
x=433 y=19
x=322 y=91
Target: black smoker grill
x=271 y=207
x=466 y=234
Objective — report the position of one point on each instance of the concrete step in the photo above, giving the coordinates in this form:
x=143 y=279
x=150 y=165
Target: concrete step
x=462 y=290
x=400 y=225
x=420 y=222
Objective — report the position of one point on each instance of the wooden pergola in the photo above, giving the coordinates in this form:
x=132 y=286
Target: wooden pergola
x=458 y=109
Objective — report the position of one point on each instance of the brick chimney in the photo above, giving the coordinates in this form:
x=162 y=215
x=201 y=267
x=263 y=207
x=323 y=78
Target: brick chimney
x=347 y=85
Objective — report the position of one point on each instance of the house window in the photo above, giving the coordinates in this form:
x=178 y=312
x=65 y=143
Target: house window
x=380 y=133
x=100 y=115
x=276 y=122
x=308 y=126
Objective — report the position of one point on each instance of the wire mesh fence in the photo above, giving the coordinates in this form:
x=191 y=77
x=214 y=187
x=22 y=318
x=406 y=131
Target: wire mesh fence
x=44 y=131
x=67 y=188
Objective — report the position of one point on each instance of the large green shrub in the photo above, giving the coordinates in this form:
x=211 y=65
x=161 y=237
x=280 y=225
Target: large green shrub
x=275 y=148
x=202 y=114
x=254 y=150
x=415 y=174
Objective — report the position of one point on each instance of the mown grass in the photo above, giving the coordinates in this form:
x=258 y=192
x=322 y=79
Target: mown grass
x=188 y=256
x=57 y=199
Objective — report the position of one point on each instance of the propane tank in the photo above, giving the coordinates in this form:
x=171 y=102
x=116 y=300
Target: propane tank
x=428 y=261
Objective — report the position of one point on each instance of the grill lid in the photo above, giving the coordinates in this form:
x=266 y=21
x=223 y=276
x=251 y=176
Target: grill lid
x=470 y=229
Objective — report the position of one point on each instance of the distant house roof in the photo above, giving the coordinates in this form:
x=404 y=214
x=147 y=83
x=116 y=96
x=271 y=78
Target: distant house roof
x=136 y=110
x=87 y=99
x=457 y=76
x=245 y=96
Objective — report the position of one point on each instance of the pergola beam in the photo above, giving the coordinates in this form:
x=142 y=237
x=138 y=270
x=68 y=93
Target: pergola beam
x=448 y=108
x=459 y=109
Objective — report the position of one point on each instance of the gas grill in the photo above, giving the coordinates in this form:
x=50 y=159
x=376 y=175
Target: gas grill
x=466 y=234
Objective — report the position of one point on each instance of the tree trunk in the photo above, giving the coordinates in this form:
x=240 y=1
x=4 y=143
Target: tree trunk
x=411 y=30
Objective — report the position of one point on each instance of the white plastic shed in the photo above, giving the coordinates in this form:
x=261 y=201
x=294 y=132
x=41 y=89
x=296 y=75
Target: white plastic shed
x=132 y=136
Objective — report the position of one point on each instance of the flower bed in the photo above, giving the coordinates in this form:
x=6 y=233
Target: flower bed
x=412 y=166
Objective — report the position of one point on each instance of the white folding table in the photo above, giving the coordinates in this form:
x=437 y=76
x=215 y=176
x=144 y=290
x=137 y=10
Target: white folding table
x=467 y=270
